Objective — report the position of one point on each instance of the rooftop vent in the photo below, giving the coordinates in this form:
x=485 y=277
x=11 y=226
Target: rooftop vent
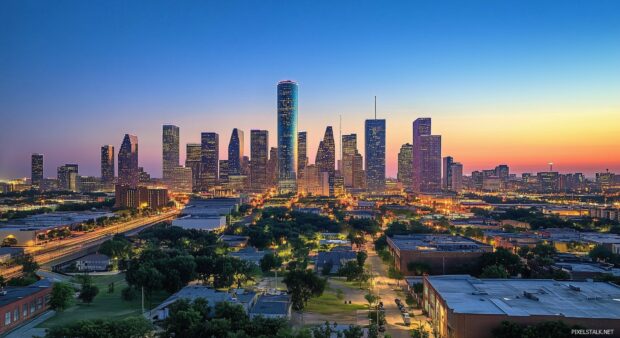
x=530 y=295
x=574 y=287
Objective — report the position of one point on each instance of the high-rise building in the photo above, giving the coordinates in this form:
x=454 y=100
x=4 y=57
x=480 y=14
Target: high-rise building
x=426 y=157
x=287 y=136
x=405 y=165
x=128 y=172
x=170 y=150
x=446 y=178
x=68 y=177
x=349 y=149
x=359 y=175
x=36 y=170
x=375 y=155
x=107 y=165
x=272 y=167
x=181 y=179
x=193 y=155
x=502 y=171
x=235 y=152
x=326 y=157
x=456 y=176
x=224 y=171
x=259 y=147
x=210 y=148
x=302 y=151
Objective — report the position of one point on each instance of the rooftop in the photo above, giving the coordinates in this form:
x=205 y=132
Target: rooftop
x=16 y=293
x=272 y=305
x=57 y=219
x=435 y=242
x=528 y=297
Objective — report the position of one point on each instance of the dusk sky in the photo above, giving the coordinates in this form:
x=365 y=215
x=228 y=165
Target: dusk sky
x=515 y=82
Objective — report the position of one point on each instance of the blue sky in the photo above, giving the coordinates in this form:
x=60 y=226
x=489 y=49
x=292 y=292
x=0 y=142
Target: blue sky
x=75 y=75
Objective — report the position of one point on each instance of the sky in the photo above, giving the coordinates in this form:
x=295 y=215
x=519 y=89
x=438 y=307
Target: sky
x=517 y=82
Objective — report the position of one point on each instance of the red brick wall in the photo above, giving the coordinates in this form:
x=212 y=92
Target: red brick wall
x=39 y=302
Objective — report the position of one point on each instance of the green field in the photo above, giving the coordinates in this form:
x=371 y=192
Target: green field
x=329 y=304
x=105 y=305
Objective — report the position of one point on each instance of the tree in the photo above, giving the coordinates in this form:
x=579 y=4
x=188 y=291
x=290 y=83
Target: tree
x=494 y=271
x=327 y=268
x=88 y=293
x=353 y=331
x=303 y=285
x=269 y=262
x=351 y=270
x=361 y=258
x=544 y=250
x=326 y=331
x=601 y=253
x=418 y=268
x=419 y=333
x=503 y=257
x=372 y=300
x=61 y=297
x=29 y=266
x=132 y=327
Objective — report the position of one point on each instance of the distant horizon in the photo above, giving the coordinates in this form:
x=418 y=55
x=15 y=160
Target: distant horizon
x=520 y=83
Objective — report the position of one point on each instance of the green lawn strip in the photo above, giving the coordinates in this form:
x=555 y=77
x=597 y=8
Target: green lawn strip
x=329 y=304
x=105 y=305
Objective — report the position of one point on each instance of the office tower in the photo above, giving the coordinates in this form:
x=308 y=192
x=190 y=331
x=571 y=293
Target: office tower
x=235 y=152
x=405 y=165
x=143 y=177
x=302 y=151
x=326 y=157
x=170 y=150
x=192 y=160
x=181 y=179
x=548 y=181
x=426 y=157
x=210 y=147
x=107 y=165
x=259 y=147
x=456 y=176
x=245 y=166
x=128 y=172
x=375 y=155
x=349 y=149
x=502 y=171
x=68 y=177
x=446 y=178
x=224 y=171
x=272 y=167
x=36 y=170
x=359 y=176
x=287 y=136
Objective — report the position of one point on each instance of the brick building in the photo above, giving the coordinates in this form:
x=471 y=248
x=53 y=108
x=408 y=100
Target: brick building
x=20 y=304
x=442 y=253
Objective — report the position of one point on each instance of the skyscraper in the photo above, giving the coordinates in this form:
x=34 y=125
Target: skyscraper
x=326 y=157
x=170 y=150
x=446 y=178
x=349 y=149
x=359 y=176
x=224 y=171
x=426 y=157
x=272 y=167
x=287 y=136
x=107 y=165
x=405 y=165
x=128 y=172
x=375 y=155
x=259 y=148
x=210 y=147
x=456 y=176
x=235 y=152
x=67 y=177
x=192 y=160
x=302 y=151
x=36 y=170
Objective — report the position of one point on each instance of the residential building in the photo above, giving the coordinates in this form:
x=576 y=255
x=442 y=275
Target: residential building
x=93 y=262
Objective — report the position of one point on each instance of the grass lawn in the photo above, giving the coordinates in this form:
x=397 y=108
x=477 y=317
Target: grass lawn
x=105 y=305
x=329 y=304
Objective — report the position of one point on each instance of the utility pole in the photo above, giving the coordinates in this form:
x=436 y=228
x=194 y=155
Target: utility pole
x=143 y=299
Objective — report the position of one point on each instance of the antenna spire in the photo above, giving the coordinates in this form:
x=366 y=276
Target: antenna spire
x=375 y=107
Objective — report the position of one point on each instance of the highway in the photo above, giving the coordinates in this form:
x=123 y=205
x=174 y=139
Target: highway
x=57 y=251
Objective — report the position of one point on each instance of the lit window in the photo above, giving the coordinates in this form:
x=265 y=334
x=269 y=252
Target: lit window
x=7 y=318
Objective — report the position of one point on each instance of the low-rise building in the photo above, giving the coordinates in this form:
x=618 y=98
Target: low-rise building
x=442 y=253
x=20 y=304
x=251 y=255
x=337 y=259
x=272 y=306
x=93 y=262
x=234 y=241
x=461 y=306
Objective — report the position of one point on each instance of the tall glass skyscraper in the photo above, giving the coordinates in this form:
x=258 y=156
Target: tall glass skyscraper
x=405 y=165
x=375 y=155
x=193 y=155
x=259 y=150
x=235 y=152
x=287 y=136
x=36 y=170
x=210 y=148
x=426 y=157
x=421 y=127
x=170 y=150
x=107 y=164
x=128 y=172
x=349 y=149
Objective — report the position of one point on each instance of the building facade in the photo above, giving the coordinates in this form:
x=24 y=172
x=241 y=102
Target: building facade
x=210 y=147
x=259 y=152
x=170 y=150
x=375 y=155
x=193 y=161
x=405 y=165
x=107 y=165
x=287 y=136
x=36 y=171
x=128 y=172
x=235 y=152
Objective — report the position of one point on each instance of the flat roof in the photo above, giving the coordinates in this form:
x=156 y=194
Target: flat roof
x=435 y=242
x=470 y=295
x=14 y=294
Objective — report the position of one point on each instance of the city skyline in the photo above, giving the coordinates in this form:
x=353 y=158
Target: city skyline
x=484 y=74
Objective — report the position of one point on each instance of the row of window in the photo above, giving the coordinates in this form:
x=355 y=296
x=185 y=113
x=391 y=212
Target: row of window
x=27 y=309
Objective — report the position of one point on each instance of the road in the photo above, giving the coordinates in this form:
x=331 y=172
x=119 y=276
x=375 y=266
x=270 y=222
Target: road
x=56 y=251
